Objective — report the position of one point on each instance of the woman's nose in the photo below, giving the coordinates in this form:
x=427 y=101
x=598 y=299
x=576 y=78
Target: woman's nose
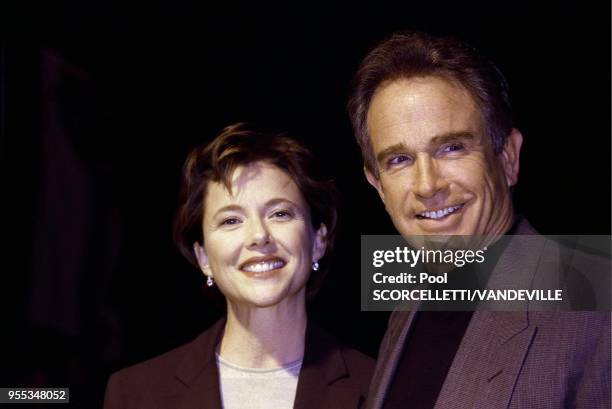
x=258 y=234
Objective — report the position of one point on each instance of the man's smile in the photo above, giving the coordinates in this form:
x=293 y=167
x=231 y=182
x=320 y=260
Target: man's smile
x=439 y=213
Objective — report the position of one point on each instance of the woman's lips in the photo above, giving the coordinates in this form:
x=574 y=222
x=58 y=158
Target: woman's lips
x=260 y=267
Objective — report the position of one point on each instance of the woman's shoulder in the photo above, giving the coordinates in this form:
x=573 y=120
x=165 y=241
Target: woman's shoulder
x=152 y=374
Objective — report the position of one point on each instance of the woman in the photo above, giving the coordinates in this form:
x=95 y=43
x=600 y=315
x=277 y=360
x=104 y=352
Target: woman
x=257 y=222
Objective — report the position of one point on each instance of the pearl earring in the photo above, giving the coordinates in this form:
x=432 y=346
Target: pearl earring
x=209 y=281
x=315 y=265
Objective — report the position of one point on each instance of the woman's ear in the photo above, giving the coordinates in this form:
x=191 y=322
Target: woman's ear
x=202 y=258
x=320 y=243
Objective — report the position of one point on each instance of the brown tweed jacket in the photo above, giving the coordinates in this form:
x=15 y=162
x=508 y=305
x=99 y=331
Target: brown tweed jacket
x=514 y=360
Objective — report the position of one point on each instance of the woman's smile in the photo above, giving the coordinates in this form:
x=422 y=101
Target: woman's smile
x=262 y=267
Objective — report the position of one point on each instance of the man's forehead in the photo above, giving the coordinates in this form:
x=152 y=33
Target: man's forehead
x=421 y=111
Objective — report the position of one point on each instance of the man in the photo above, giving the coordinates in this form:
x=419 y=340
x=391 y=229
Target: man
x=434 y=123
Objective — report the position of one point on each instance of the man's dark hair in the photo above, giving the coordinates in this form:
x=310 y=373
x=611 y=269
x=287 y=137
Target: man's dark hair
x=406 y=55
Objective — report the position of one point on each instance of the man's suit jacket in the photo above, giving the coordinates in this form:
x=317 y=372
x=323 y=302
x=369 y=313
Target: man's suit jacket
x=332 y=376
x=507 y=359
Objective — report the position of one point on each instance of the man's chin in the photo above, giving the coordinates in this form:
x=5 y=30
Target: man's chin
x=435 y=241
x=430 y=228
x=450 y=237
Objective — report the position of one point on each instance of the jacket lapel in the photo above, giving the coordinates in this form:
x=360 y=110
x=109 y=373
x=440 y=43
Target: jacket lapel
x=488 y=361
x=322 y=366
x=198 y=373
x=515 y=338
x=494 y=347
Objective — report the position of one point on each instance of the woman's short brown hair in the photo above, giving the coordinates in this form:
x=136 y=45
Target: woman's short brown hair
x=235 y=146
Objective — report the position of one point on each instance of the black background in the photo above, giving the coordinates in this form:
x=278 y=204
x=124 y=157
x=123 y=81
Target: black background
x=141 y=85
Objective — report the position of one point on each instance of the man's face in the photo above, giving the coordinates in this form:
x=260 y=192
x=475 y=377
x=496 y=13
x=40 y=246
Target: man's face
x=438 y=174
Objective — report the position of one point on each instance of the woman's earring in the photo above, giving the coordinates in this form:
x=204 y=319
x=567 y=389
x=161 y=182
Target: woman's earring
x=209 y=280
x=315 y=265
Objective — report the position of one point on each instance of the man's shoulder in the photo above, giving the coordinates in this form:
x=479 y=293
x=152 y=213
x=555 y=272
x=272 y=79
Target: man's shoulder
x=575 y=334
x=577 y=265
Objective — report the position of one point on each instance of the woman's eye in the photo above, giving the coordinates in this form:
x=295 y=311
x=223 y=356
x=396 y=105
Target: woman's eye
x=398 y=160
x=282 y=214
x=230 y=221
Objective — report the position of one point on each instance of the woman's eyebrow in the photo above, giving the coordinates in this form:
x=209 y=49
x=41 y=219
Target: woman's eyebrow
x=228 y=208
x=275 y=201
x=238 y=208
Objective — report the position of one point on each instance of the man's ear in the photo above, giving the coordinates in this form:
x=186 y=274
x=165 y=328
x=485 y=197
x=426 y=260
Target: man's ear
x=320 y=243
x=374 y=181
x=510 y=156
x=200 y=254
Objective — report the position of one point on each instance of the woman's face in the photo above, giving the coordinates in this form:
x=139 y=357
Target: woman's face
x=259 y=243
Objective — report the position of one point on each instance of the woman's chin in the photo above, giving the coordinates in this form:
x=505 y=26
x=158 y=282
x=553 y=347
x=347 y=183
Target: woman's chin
x=268 y=298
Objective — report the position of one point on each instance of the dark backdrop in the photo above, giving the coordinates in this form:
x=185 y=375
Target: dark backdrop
x=101 y=101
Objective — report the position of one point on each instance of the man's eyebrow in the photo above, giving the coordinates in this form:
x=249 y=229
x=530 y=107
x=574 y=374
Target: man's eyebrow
x=397 y=148
x=435 y=141
x=451 y=136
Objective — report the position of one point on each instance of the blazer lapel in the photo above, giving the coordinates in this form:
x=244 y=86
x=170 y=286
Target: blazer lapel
x=494 y=347
x=323 y=365
x=515 y=339
x=199 y=374
x=488 y=361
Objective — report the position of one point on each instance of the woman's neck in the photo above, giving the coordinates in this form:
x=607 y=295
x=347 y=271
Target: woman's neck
x=264 y=337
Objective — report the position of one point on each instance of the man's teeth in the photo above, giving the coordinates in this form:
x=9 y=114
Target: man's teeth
x=439 y=213
x=263 y=266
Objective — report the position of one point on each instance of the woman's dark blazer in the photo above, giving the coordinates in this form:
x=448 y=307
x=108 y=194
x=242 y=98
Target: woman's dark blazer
x=332 y=376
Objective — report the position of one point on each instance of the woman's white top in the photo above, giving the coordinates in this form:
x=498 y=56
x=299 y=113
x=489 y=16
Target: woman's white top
x=256 y=388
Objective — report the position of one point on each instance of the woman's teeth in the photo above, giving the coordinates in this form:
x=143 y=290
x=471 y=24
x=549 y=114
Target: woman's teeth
x=263 y=266
x=437 y=214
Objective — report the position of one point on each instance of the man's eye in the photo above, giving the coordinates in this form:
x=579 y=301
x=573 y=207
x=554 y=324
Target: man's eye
x=230 y=221
x=398 y=160
x=453 y=147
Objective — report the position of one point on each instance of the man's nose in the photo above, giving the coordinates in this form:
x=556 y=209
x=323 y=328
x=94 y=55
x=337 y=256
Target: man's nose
x=427 y=179
x=258 y=235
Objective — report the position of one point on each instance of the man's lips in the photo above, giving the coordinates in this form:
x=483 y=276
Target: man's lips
x=260 y=265
x=441 y=213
